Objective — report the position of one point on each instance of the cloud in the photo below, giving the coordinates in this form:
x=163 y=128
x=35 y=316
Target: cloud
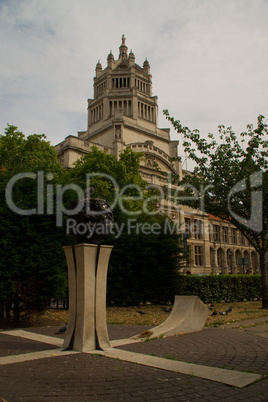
x=208 y=60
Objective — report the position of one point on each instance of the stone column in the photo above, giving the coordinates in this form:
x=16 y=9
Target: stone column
x=192 y=255
x=87 y=273
x=215 y=266
x=234 y=265
x=225 y=265
x=206 y=261
x=251 y=270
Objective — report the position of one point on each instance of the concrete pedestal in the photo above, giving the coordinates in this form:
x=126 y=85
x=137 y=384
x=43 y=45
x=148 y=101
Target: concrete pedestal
x=87 y=274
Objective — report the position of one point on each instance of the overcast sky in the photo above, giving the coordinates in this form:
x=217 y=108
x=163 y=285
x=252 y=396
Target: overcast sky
x=209 y=60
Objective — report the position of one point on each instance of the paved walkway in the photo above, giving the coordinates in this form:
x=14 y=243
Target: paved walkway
x=54 y=375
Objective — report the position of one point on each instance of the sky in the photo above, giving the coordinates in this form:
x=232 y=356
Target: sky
x=208 y=58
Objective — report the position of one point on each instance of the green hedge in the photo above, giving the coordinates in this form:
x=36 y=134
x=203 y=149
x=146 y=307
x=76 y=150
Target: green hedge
x=216 y=288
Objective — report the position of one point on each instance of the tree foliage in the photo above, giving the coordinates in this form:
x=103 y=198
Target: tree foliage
x=230 y=181
x=21 y=154
x=32 y=266
x=32 y=263
x=144 y=264
x=144 y=267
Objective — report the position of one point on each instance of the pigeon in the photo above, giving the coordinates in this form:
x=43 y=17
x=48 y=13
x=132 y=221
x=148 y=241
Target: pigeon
x=229 y=309
x=214 y=313
x=211 y=306
x=166 y=309
x=141 y=312
x=62 y=329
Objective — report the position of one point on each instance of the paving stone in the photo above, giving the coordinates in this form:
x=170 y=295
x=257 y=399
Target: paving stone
x=84 y=377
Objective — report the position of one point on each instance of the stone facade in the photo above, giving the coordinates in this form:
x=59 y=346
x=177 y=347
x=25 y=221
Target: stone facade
x=124 y=113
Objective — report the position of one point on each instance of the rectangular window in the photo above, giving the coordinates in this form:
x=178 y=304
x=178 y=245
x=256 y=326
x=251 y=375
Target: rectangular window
x=238 y=235
x=234 y=237
x=210 y=231
x=187 y=223
x=198 y=229
x=125 y=108
x=216 y=233
x=225 y=237
x=198 y=255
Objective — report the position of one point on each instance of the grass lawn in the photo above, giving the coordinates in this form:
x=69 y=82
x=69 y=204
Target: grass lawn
x=155 y=316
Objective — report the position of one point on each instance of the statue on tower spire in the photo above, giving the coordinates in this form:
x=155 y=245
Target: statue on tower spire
x=123 y=49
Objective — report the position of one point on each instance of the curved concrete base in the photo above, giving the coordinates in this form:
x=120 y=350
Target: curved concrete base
x=189 y=314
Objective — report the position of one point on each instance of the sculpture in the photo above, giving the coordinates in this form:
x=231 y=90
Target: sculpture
x=87 y=276
x=97 y=214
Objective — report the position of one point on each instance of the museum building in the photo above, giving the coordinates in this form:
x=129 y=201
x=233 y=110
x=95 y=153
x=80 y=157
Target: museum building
x=124 y=114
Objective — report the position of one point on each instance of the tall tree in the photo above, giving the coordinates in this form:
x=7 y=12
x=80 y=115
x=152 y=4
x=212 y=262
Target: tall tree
x=230 y=181
x=32 y=264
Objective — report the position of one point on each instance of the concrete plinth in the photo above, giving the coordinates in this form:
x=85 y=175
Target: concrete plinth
x=87 y=274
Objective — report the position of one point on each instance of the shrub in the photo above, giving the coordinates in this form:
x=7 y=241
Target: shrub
x=216 y=288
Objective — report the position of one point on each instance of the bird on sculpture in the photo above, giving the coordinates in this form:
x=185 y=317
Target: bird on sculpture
x=62 y=329
x=96 y=216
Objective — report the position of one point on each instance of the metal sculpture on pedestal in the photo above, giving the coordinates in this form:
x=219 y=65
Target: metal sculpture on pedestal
x=87 y=274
